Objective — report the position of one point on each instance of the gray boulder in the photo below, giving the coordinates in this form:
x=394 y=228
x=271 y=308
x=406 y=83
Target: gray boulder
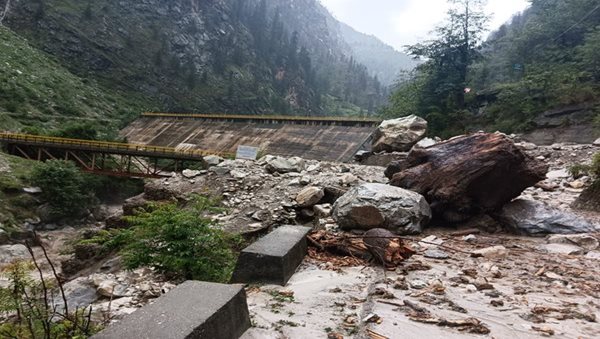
x=399 y=135
x=213 y=160
x=371 y=206
x=534 y=218
x=283 y=165
x=597 y=142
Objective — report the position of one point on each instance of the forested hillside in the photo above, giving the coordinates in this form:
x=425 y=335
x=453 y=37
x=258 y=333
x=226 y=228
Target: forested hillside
x=237 y=56
x=540 y=69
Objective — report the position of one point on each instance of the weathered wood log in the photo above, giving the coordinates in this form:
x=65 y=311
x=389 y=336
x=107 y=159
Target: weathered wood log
x=468 y=175
x=385 y=248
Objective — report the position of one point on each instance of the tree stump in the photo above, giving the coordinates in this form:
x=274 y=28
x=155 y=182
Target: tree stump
x=468 y=175
x=386 y=247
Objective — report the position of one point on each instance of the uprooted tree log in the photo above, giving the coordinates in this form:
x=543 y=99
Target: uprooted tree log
x=385 y=248
x=467 y=175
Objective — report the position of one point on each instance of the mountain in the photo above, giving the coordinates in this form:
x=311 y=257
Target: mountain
x=231 y=56
x=382 y=60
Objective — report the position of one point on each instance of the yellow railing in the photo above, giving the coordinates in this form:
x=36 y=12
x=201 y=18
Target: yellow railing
x=106 y=145
x=259 y=117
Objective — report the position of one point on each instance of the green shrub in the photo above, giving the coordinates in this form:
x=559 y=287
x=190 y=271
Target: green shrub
x=179 y=243
x=64 y=187
x=32 y=302
x=579 y=170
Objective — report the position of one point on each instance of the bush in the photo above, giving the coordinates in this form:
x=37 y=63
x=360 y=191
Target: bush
x=179 y=243
x=64 y=187
x=579 y=170
x=35 y=308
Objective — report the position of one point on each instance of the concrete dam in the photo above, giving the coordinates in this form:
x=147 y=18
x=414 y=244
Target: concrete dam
x=318 y=138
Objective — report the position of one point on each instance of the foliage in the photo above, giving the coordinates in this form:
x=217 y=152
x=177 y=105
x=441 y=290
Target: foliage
x=37 y=92
x=593 y=169
x=545 y=58
x=31 y=308
x=178 y=242
x=64 y=187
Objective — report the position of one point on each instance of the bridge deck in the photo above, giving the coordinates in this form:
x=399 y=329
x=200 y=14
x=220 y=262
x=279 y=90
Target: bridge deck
x=328 y=139
x=107 y=147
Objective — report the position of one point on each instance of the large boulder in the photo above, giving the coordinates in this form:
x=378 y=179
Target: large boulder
x=467 y=175
x=371 y=206
x=534 y=218
x=399 y=135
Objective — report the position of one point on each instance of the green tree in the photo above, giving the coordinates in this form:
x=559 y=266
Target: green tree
x=453 y=50
x=64 y=187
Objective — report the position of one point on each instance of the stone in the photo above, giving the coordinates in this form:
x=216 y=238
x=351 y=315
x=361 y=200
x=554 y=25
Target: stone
x=436 y=254
x=593 y=255
x=32 y=190
x=585 y=241
x=597 y=142
x=534 y=218
x=282 y=165
x=190 y=174
x=273 y=258
x=577 y=184
x=528 y=146
x=80 y=293
x=426 y=142
x=213 y=160
x=372 y=205
x=492 y=252
x=561 y=249
x=111 y=288
x=323 y=211
x=418 y=284
x=219 y=170
x=348 y=179
x=193 y=309
x=558 y=174
x=310 y=196
x=399 y=135
x=430 y=241
x=238 y=174
x=10 y=253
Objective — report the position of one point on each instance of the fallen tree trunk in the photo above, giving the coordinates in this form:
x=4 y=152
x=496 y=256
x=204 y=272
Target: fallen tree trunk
x=467 y=175
x=385 y=248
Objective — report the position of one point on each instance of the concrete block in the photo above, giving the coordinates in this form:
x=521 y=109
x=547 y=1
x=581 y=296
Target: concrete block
x=274 y=258
x=193 y=310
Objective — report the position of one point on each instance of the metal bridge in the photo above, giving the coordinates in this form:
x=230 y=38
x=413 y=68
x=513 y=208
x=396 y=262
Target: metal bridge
x=102 y=157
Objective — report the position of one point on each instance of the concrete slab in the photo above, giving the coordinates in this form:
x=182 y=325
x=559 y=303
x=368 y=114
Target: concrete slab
x=193 y=310
x=274 y=258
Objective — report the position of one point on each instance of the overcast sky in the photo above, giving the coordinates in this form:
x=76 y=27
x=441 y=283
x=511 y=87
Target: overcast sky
x=404 y=22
